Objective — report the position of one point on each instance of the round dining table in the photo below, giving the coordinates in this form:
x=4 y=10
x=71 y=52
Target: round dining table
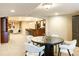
x=49 y=45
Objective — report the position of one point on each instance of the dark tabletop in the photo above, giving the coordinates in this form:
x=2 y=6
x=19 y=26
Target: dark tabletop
x=53 y=41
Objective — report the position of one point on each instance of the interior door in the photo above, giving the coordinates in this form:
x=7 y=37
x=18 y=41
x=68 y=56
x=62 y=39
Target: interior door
x=4 y=30
x=75 y=28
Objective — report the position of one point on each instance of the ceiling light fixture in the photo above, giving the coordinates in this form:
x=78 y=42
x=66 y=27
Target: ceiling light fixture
x=12 y=11
x=47 y=5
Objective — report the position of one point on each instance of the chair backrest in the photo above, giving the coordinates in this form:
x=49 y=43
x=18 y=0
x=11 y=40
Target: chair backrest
x=73 y=43
x=29 y=38
x=39 y=38
x=32 y=48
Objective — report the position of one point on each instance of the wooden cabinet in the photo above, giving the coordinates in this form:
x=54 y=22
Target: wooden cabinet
x=3 y=30
x=40 y=24
x=38 y=32
x=39 y=29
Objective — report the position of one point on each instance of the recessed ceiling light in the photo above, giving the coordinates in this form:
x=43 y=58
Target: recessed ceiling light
x=12 y=11
x=56 y=14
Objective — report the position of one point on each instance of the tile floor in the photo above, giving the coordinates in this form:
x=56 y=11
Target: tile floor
x=15 y=47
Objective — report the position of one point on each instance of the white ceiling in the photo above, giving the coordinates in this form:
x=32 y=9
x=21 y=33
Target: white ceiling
x=31 y=9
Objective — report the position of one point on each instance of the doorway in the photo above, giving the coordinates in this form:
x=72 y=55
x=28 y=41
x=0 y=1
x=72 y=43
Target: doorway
x=75 y=28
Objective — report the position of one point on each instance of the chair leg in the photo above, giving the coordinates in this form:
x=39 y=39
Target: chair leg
x=72 y=54
x=25 y=53
x=69 y=52
x=39 y=53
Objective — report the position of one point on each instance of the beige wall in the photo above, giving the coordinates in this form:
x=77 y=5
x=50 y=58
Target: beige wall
x=61 y=25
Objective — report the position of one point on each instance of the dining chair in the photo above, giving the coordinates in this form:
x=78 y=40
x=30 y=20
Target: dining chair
x=67 y=47
x=29 y=38
x=38 y=39
x=32 y=50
